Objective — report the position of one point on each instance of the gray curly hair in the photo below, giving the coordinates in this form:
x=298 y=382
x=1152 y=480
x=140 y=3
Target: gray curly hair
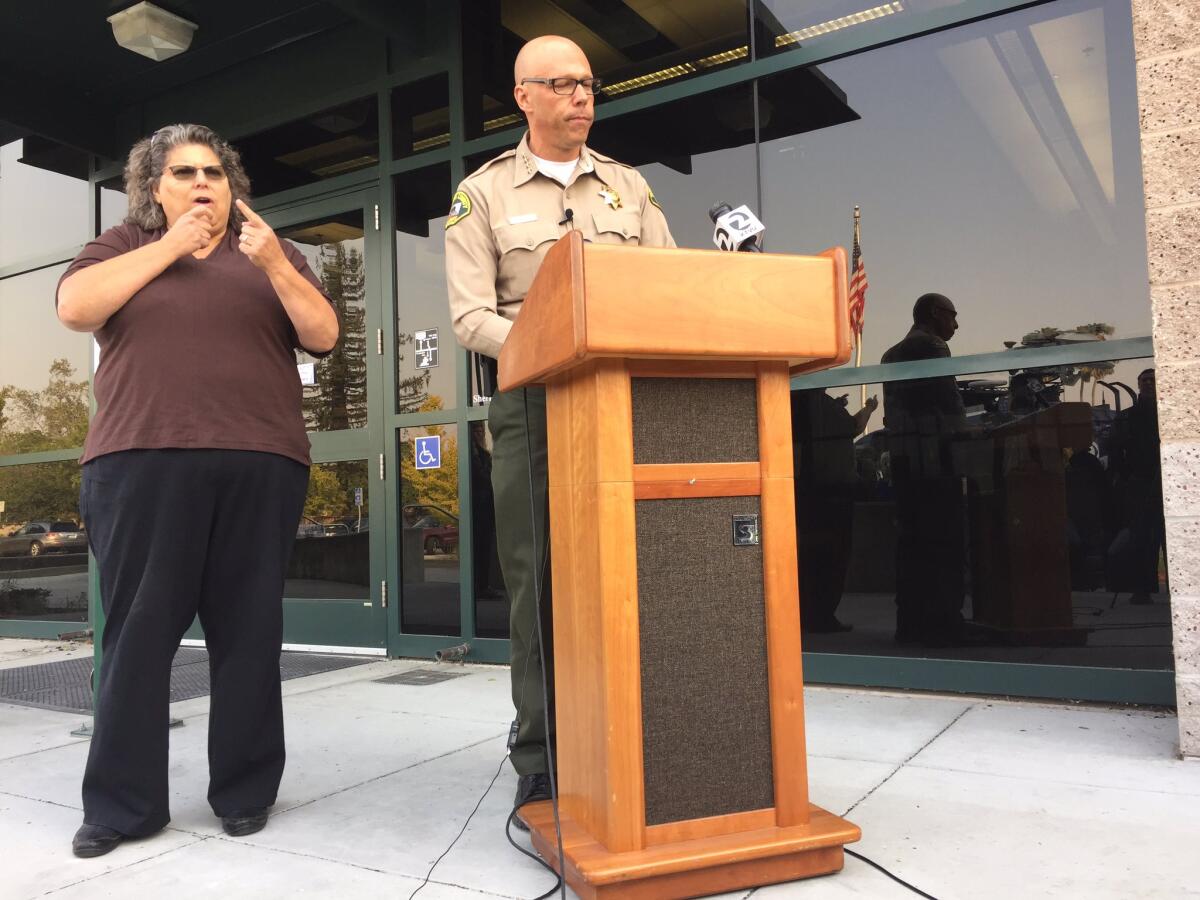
x=148 y=159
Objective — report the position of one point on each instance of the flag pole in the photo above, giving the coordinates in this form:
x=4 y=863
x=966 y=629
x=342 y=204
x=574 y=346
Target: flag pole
x=862 y=400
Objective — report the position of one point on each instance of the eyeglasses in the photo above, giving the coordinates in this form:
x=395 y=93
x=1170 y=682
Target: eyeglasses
x=568 y=85
x=188 y=173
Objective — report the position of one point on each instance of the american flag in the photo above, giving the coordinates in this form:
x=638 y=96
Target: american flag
x=858 y=283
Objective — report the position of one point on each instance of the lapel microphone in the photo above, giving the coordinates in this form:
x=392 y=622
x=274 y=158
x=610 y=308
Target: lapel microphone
x=568 y=217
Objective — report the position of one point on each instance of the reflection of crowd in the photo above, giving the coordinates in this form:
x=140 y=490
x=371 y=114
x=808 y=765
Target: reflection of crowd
x=1015 y=493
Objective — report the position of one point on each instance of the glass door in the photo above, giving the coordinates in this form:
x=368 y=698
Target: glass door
x=333 y=594
x=442 y=568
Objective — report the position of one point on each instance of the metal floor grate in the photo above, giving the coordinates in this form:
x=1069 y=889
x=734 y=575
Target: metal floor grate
x=420 y=677
x=67 y=685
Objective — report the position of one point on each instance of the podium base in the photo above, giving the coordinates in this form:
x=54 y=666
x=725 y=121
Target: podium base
x=692 y=868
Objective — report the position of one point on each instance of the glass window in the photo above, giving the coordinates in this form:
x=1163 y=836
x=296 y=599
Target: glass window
x=41 y=211
x=114 y=205
x=1009 y=516
x=428 y=529
x=996 y=163
x=331 y=559
x=492 y=603
x=782 y=25
x=43 y=368
x=323 y=145
x=631 y=44
x=426 y=351
x=421 y=116
x=335 y=386
x=703 y=154
x=43 y=545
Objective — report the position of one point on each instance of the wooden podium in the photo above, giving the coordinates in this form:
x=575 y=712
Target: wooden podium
x=681 y=754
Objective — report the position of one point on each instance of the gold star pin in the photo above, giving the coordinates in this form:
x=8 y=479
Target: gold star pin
x=611 y=197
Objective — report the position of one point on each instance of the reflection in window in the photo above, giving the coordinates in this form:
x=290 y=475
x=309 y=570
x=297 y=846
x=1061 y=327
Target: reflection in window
x=426 y=351
x=632 y=45
x=791 y=24
x=323 y=145
x=41 y=210
x=43 y=545
x=114 y=205
x=1026 y=528
x=996 y=163
x=337 y=397
x=421 y=116
x=43 y=369
x=331 y=559
x=429 y=530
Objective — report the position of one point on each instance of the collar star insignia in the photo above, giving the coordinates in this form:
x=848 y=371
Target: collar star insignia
x=611 y=197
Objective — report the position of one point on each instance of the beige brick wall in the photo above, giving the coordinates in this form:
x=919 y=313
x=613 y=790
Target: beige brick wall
x=1167 y=41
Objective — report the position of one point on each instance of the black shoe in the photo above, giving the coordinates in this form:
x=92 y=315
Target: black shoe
x=244 y=821
x=530 y=789
x=95 y=840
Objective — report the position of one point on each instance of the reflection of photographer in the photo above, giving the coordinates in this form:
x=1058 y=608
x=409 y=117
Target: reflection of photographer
x=823 y=434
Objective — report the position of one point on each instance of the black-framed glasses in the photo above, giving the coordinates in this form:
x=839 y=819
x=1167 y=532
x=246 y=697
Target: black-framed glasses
x=567 y=86
x=188 y=173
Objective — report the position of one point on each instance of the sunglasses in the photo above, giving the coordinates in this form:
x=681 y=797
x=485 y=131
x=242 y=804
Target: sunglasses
x=188 y=173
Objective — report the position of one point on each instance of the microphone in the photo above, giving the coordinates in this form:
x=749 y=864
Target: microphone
x=736 y=229
x=568 y=217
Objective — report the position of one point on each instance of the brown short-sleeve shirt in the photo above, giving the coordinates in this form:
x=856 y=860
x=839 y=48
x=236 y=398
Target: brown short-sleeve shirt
x=201 y=357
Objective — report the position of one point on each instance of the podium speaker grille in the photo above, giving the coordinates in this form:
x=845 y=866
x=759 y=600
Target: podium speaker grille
x=706 y=732
x=682 y=420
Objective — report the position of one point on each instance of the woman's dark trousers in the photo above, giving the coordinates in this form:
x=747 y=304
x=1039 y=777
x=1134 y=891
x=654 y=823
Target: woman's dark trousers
x=178 y=533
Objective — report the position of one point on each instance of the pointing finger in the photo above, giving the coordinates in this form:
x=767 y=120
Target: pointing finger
x=251 y=215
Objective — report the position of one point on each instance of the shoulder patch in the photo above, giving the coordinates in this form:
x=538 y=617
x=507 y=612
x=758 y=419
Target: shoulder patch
x=653 y=199
x=460 y=208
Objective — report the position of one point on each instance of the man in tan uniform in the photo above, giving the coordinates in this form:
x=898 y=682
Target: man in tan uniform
x=503 y=219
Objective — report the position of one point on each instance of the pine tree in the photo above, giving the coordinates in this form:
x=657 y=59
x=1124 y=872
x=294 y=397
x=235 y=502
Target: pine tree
x=338 y=400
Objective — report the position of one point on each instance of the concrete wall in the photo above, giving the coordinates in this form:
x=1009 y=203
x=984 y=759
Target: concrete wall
x=1167 y=41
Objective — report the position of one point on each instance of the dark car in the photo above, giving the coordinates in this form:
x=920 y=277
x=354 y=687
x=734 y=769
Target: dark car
x=36 y=538
x=439 y=528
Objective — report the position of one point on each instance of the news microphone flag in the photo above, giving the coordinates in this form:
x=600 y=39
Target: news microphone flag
x=858 y=283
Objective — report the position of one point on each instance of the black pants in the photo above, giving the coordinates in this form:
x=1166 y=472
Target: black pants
x=176 y=533
x=930 y=556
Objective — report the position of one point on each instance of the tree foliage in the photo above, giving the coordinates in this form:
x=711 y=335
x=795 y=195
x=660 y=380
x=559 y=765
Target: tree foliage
x=338 y=400
x=31 y=421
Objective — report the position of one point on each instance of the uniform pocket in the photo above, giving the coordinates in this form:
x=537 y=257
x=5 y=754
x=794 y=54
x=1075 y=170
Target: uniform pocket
x=525 y=236
x=617 y=226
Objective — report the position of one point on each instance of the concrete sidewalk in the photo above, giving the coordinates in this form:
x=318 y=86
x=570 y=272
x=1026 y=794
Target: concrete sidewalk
x=965 y=798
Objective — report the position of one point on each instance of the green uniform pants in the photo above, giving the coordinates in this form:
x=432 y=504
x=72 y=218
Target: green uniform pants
x=520 y=550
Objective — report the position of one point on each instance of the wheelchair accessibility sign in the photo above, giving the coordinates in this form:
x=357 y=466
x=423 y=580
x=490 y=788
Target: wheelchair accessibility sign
x=428 y=452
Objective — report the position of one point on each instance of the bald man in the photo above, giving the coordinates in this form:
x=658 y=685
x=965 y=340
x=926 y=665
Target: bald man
x=503 y=219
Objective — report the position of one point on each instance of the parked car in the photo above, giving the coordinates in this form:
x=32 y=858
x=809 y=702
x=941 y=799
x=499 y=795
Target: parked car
x=310 y=528
x=36 y=538
x=439 y=528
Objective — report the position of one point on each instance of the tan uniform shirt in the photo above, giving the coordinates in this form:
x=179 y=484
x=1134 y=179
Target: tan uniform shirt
x=505 y=217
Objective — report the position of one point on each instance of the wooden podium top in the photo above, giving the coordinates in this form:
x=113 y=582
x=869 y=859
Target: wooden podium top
x=598 y=300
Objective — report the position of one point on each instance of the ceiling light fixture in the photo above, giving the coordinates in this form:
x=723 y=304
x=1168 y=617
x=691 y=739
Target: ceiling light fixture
x=878 y=12
x=152 y=31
